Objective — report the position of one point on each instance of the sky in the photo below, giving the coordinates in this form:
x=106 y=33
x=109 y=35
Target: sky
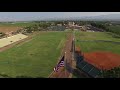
x=44 y=15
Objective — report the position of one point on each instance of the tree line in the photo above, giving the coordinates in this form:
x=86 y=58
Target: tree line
x=42 y=27
x=107 y=27
x=113 y=73
x=101 y=26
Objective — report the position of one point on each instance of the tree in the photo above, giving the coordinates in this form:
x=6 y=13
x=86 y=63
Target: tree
x=113 y=73
x=2 y=34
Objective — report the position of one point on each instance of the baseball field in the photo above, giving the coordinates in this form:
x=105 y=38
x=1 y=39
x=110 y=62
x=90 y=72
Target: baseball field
x=33 y=58
x=101 y=49
x=97 y=41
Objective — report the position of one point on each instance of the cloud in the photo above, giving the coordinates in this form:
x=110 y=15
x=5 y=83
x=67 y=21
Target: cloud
x=80 y=14
x=45 y=15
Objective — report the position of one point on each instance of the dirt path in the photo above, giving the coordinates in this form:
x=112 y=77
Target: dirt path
x=9 y=28
x=64 y=72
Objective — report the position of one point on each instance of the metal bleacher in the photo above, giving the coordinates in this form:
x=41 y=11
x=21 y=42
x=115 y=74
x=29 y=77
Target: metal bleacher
x=86 y=67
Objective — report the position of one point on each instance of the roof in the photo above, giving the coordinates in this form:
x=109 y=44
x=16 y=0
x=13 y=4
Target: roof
x=86 y=67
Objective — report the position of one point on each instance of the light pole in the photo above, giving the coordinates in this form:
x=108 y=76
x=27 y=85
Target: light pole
x=73 y=45
x=73 y=52
x=65 y=63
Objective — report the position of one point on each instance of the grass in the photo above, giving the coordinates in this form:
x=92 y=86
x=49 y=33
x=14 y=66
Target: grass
x=77 y=76
x=35 y=58
x=97 y=46
x=96 y=36
x=115 y=29
x=16 y=24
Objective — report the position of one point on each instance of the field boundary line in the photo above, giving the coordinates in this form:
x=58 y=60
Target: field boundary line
x=99 y=41
x=24 y=42
x=61 y=42
x=13 y=44
x=59 y=58
x=61 y=55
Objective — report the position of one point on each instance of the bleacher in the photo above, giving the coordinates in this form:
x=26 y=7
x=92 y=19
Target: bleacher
x=78 y=58
x=84 y=66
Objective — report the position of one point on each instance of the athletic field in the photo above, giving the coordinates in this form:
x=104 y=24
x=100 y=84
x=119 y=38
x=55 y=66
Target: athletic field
x=101 y=49
x=97 y=41
x=34 y=58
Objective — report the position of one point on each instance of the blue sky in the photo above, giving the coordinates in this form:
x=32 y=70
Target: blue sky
x=42 y=15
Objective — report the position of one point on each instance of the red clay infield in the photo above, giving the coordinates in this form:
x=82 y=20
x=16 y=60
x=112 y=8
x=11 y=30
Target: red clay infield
x=103 y=60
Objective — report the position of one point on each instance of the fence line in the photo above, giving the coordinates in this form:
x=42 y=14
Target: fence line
x=99 y=41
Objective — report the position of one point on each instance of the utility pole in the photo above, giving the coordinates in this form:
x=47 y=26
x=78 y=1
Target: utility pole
x=65 y=62
x=73 y=46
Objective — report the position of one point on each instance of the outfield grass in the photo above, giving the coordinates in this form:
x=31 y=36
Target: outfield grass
x=35 y=58
x=95 y=36
x=97 y=46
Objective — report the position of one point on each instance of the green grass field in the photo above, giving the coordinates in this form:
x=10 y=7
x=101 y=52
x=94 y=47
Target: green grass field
x=97 y=46
x=35 y=58
x=115 y=29
x=18 y=24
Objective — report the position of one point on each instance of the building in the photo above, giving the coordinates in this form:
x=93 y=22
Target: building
x=71 y=24
x=59 y=24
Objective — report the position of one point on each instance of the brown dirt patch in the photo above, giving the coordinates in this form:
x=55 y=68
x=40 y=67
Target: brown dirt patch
x=103 y=60
x=8 y=29
x=60 y=74
x=78 y=50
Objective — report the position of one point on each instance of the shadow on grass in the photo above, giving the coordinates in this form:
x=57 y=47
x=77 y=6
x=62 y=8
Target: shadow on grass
x=77 y=74
x=28 y=77
x=7 y=76
x=4 y=76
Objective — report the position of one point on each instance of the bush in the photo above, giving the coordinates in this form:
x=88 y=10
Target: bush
x=23 y=77
x=2 y=34
x=4 y=75
x=113 y=73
